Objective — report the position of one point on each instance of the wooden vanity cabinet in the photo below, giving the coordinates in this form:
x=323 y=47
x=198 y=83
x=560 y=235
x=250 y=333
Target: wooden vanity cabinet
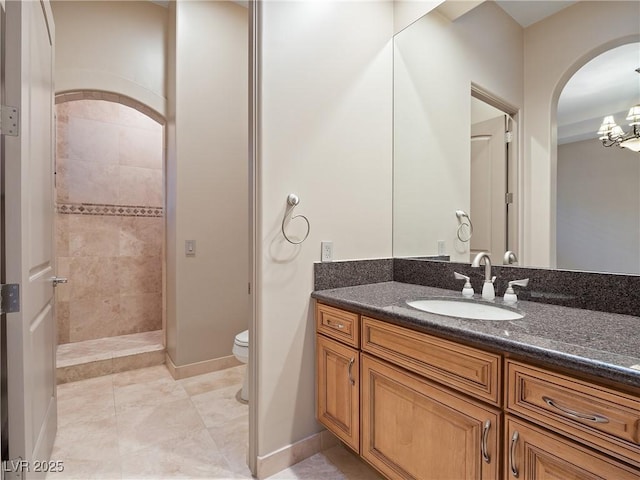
x=338 y=390
x=465 y=369
x=338 y=324
x=338 y=373
x=416 y=429
x=600 y=417
x=416 y=406
x=537 y=454
x=388 y=409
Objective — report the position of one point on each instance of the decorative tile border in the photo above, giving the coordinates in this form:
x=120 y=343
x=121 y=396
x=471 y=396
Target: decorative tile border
x=111 y=210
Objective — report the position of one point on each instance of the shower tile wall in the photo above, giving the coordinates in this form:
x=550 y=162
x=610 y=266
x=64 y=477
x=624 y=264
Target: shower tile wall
x=109 y=223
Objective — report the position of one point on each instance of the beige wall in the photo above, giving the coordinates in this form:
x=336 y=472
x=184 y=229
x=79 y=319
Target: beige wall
x=435 y=63
x=326 y=136
x=207 y=197
x=555 y=49
x=598 y=208
x=114 y=46
x=108 y=243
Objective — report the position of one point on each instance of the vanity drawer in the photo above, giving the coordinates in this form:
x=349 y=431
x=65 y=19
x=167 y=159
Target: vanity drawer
x=338 y=324
x=598 y=416
x=466 y=369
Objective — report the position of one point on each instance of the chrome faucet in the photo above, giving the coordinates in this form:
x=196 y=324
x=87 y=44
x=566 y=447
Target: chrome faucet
x=509 y=258
x=488 y=292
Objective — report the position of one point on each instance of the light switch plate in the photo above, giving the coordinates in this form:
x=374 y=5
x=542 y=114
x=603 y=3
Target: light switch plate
x=190 y=248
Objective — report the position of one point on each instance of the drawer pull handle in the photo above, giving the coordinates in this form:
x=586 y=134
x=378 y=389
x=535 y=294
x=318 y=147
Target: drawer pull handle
x=337 y=325
x=512 y=454
x=485 y=435
x=351 y=362
x=592 y=417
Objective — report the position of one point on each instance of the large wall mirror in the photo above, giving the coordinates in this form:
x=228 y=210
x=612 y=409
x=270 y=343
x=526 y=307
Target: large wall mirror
x=496 y=113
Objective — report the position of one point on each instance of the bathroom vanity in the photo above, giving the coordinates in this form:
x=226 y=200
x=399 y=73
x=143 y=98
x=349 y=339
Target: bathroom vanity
x=424 y=396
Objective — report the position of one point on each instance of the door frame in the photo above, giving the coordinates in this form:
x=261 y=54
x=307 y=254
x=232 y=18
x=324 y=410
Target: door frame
x=4 y=414
x=255 y=72
x=515 y=212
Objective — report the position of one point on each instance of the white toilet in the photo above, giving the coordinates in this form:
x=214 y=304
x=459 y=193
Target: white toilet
x=241 y=352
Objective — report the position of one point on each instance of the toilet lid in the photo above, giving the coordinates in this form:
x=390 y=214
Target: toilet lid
x=242 y=339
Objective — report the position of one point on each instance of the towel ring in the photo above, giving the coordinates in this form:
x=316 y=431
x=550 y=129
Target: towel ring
x=458 y=233
x=461 y=214
x=292 y=201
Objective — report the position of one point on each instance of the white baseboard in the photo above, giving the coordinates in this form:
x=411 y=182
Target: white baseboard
x=192 y=369
x=296 y=452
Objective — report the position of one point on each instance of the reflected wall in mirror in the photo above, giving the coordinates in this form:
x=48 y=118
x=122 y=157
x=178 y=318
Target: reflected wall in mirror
x=522 y=65
x=436 y=61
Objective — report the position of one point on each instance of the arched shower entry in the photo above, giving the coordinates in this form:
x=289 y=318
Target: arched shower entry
x=109 y=234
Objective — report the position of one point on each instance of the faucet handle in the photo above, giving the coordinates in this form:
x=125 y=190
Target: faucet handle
x=509 y=258
x=467 y=290
x=510 y=296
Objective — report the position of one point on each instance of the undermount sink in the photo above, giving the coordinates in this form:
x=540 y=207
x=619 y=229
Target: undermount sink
x=469 y=309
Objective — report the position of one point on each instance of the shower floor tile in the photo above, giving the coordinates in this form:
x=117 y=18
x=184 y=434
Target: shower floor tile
x=143 y=424
x=104 y=356
x=107 y=348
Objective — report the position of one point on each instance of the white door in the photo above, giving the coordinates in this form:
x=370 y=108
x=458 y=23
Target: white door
x=488 y=187
x=29 y=215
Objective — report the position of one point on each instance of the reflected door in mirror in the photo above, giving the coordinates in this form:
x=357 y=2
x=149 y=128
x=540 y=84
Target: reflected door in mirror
x=488 y=186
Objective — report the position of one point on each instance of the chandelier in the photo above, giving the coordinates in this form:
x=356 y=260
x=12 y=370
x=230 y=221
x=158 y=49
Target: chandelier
x=612 y=134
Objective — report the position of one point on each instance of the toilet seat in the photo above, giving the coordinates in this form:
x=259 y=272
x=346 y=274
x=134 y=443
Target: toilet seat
x=242 y=339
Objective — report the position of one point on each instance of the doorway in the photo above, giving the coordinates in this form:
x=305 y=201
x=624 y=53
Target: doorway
x=494 y=176
x=109 y=234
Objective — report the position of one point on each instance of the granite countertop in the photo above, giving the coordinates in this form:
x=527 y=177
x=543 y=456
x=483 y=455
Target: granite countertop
x=605 y=345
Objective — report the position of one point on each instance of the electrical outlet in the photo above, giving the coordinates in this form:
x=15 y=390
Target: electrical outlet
x=442 y=247
x=326 y=251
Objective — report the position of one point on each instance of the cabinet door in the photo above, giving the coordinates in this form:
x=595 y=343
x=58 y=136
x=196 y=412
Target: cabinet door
x=338 y=389
x=536 y=454
x=416 y=429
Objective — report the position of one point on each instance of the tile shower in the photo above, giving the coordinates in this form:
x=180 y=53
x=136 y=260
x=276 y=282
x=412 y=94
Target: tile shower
x=109 y=220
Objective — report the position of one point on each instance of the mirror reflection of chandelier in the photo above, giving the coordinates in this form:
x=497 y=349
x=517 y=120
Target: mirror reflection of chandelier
x=612 y=134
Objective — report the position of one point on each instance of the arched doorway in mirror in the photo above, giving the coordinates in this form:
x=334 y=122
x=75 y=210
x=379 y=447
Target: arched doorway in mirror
x=598 y=186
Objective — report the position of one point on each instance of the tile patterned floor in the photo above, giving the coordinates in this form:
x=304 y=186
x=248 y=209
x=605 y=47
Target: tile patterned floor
x=143 y=424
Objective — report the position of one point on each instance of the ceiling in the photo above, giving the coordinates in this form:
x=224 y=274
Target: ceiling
x=607 y=85
x=528 y=12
